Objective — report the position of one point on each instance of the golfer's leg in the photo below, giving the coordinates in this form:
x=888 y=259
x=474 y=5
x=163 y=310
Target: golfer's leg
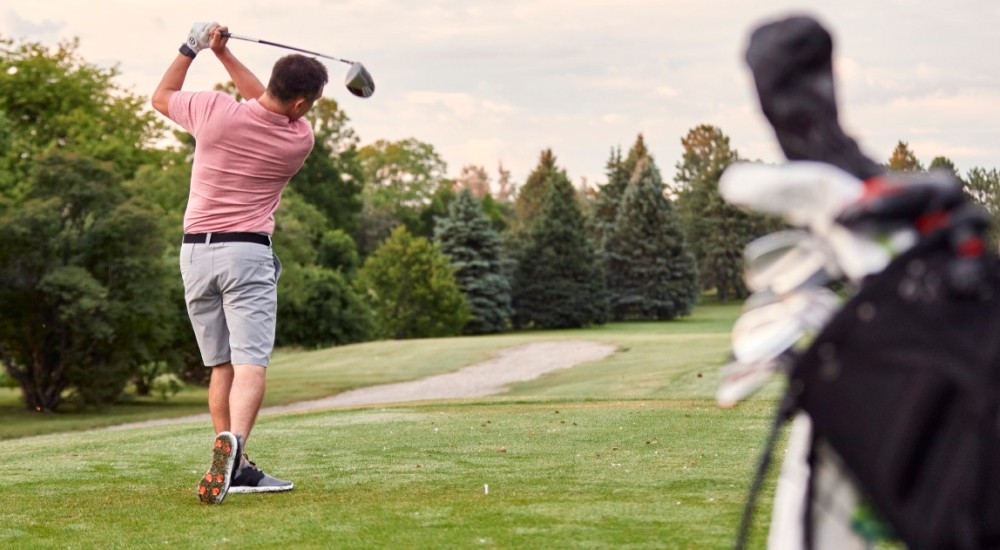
x=219 y=388
x=245 y=398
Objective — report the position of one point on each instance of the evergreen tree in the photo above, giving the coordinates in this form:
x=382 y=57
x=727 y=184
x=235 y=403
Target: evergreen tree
x=467 y=237
x=619 y=172
x=984 y=187
x=411 y=289
x=650 y=271
x=558 y=282
x=945 y=164
x=716 y=230
x=529 y=199
x=903 y=159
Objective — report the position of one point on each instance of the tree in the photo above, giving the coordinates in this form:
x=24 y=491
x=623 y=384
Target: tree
x=651 y=273
x=473 y=247
x=411 y=288
x=984 y=187
x=558 y=282
x=903 y=159
x=83 y=299
x=619 y=172
x=506 y=189
x=401 y=178
x=318 y=304
x=55 y=101
x=716 y=230
x=529 y=199
x=945 y=164
x=332 y=178
x=475 y=179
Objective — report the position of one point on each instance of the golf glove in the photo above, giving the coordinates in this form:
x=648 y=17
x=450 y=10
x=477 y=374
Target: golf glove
x=200 y=36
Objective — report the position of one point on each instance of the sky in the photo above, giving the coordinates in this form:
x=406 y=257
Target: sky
x=489 y=81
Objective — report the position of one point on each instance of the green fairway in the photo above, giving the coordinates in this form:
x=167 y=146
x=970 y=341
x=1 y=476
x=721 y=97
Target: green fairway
x=627 y=452
x=655 y=359
x=599 y=474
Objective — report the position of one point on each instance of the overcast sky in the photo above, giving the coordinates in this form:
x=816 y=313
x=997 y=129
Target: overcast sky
x=498 y=81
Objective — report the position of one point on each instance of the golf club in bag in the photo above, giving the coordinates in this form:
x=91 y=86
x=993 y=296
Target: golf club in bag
x=895 y=397
x=358 y=81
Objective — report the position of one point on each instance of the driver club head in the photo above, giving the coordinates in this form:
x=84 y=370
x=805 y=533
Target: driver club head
x=359 y=81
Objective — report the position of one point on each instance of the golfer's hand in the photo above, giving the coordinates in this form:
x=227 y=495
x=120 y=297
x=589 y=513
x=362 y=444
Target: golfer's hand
x=218 y=42
x=200 y=36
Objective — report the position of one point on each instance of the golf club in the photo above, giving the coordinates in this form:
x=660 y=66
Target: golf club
x=785 y=260
x=359 y=82
x=769 y=329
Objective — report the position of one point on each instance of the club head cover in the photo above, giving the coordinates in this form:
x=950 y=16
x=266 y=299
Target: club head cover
x=791 y=62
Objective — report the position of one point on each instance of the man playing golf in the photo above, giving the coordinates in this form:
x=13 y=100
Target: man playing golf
x=245 y=153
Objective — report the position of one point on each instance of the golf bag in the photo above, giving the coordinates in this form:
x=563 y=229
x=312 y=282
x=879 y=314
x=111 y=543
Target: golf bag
x=901 y=387
x=903 y=384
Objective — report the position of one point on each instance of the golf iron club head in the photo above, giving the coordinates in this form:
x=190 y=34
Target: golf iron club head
x=783 y=261
x=775 y=326
x=741 y=380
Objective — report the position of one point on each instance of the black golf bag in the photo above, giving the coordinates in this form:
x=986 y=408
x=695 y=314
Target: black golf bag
x=904 y=382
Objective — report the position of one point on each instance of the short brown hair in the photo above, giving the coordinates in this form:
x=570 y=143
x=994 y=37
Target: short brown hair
x=296 y=76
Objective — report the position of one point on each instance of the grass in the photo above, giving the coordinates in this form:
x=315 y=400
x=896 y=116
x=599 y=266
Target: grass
x=628 y=452
x=655 y=359
x=600 y=474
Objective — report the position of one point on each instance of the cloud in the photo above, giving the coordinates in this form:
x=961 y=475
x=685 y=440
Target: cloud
x=456 y=105
x=21 y=27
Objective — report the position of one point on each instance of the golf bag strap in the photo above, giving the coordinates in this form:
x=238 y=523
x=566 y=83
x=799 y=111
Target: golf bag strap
x=789 y=403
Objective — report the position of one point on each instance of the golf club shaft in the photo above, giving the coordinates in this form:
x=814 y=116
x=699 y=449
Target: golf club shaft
x=269 y=43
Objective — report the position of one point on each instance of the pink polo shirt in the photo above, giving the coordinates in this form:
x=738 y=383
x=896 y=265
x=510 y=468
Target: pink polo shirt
x=243 y=158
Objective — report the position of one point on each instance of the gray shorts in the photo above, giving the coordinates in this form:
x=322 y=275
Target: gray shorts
x=231 y=290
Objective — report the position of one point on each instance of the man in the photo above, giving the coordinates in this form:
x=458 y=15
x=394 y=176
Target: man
x=245 y=153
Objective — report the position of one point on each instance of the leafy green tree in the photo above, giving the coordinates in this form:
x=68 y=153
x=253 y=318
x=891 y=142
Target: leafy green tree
x=55 y=101
x=400 y=180
x=436 y=209
x=411 y=288
x=331 y=178
x=903 y=159
x=716 y=230
x=557 y=282
x=318 y=304
x=319 y=307
x=651 y=273
x=165 y=189
x=474 y=248
x=83 y=299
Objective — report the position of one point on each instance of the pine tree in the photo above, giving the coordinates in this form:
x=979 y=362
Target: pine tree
x=529 y=199
x=903 y=159
x=467 y=237
x=716 y=230
x=558 y=282
x=651 y=272
x=619 y=172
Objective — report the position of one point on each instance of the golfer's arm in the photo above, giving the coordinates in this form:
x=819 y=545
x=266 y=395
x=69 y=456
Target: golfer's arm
x=172 y=82
x=248 y=85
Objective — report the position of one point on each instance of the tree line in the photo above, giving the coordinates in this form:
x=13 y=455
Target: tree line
x=376 y=241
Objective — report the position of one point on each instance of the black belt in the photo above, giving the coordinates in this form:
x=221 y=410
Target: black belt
x=202 y=238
